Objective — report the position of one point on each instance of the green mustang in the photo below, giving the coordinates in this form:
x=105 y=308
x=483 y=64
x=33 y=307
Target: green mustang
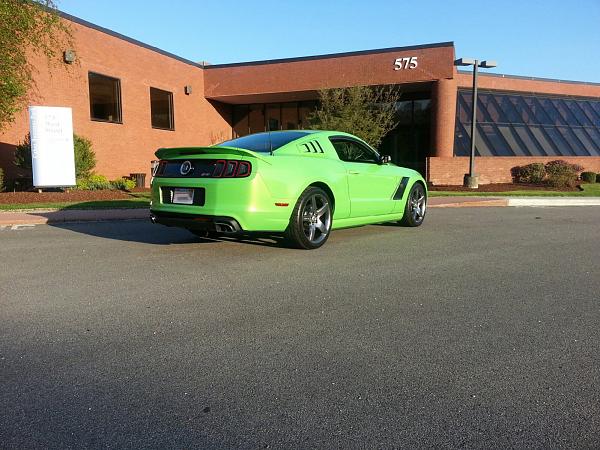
x=301 y=183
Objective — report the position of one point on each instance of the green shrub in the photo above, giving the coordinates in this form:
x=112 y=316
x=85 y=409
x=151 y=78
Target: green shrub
x=598 y=178
x=530 y=173
x=1 y=179
x=85 y=158
x=93 y=183
x=123 y=184
x=23 y=154
x=561 y=181
x=588 y=177
x=559 y=166
x=562 y=174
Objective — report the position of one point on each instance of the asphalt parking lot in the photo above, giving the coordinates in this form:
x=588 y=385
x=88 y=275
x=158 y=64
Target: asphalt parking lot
x=481 y=329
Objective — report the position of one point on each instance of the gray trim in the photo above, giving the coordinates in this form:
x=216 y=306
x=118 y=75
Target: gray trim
x=528 y=93
x=93 y=26
x=522 y=77
x=332 y=55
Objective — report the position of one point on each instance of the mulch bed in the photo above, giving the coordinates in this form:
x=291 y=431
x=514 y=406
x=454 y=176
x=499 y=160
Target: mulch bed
x=503 y=187
x=71 y=196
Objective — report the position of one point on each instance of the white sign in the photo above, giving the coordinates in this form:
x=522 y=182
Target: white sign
x=52 y=154
x=406 y=63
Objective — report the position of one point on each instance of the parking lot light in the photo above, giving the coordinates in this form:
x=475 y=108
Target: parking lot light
x=471 y=180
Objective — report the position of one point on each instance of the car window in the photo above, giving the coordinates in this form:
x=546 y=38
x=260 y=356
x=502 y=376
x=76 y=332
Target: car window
x=264 y=142
x=353 y=151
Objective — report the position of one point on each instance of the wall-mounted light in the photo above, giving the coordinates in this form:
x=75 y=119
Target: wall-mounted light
x=69 y=56
x=187 y=89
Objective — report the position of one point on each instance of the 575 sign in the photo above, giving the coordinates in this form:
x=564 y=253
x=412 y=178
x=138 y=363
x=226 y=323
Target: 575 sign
x=406 y=63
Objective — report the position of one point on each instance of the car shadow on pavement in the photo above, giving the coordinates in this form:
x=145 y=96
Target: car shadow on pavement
x=145 y=232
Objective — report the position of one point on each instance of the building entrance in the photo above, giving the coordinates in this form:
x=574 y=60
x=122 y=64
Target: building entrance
x=408 y=144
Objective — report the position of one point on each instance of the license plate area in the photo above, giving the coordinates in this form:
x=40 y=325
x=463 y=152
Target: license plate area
x=183 y=196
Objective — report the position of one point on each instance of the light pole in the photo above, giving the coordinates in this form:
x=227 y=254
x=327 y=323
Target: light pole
x=471 y=179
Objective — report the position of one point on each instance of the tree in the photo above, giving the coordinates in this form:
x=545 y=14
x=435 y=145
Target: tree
x=365 y=111
x=27 y=27
x=85 y=158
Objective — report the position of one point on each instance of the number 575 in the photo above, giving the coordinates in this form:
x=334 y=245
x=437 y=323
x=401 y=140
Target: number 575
x=405 y=63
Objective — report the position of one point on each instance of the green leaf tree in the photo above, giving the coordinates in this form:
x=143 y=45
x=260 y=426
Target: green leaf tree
x=366 y=111
x=27 y=27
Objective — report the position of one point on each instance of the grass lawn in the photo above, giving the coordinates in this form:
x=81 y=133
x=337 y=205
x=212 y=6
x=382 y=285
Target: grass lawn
x=589 y=190
x=137 y=200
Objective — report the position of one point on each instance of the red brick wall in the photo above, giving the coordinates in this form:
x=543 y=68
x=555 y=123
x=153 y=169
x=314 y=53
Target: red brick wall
x=491 y=169
x=450 y=170
x=465 y=80
x=443 y=116
x=128 y=147
x=232 y=83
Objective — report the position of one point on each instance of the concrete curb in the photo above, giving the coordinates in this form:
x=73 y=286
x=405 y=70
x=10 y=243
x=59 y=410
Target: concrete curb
x=452 y=202
x=553 y=201
x=40 y=217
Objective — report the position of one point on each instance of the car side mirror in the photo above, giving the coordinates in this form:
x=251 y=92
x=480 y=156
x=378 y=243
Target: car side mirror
x=384 y=159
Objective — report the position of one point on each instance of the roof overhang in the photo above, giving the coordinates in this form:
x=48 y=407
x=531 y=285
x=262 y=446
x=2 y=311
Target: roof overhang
x=300 y=78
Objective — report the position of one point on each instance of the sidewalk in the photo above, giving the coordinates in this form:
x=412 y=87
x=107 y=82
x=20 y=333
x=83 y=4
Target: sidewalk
x=37 y=217
x=460 y=202
x=8 y=218
x=456 y=202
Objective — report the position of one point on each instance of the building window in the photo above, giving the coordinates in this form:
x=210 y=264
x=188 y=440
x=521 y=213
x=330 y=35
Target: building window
x=105 y=98
x=528 y=125
x=256 y=118
x=161 y=109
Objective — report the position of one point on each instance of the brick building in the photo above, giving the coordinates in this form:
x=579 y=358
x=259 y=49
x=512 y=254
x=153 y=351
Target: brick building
x=129 y=99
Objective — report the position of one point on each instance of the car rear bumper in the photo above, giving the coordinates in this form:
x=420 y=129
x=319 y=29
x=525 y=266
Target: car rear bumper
x=245 y=201
x=221 y=224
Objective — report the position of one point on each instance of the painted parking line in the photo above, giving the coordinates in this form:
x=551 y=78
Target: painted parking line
x=19 y=227
x=554 y=201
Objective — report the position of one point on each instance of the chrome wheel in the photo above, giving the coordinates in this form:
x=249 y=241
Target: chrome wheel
x=316 y=218
x=417 y=203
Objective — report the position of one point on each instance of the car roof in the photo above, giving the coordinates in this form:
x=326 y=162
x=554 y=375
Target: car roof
x=269 y=141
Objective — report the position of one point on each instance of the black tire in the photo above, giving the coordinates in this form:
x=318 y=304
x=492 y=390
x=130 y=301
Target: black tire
x=310 y=222
x=416 y=207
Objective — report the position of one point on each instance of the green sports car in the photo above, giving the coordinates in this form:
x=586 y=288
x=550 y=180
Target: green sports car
x=299 y=183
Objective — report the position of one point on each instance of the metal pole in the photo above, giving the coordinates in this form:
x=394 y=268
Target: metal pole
x=473 y=121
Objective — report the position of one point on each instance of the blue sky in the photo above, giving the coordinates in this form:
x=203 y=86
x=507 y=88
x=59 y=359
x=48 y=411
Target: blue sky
x=550 y=38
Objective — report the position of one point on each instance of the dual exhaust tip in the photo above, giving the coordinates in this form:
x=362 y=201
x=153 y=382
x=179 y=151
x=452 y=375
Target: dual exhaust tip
x=220 y=227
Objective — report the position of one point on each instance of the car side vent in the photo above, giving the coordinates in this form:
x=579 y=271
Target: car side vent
x=311 y=147
x=401 y=188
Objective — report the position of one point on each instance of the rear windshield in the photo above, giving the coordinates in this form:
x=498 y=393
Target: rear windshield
x=264 y=142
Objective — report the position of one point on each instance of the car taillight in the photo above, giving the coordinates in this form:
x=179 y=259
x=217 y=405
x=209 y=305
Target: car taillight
x=204 y=168
x=230 y=168
x=244 y=169
x=159 y=168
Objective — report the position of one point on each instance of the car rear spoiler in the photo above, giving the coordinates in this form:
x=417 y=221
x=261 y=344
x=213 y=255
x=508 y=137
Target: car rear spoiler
x=171 y=153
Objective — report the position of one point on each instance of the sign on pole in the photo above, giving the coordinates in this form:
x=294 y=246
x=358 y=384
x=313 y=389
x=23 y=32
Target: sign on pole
x=52 y=154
